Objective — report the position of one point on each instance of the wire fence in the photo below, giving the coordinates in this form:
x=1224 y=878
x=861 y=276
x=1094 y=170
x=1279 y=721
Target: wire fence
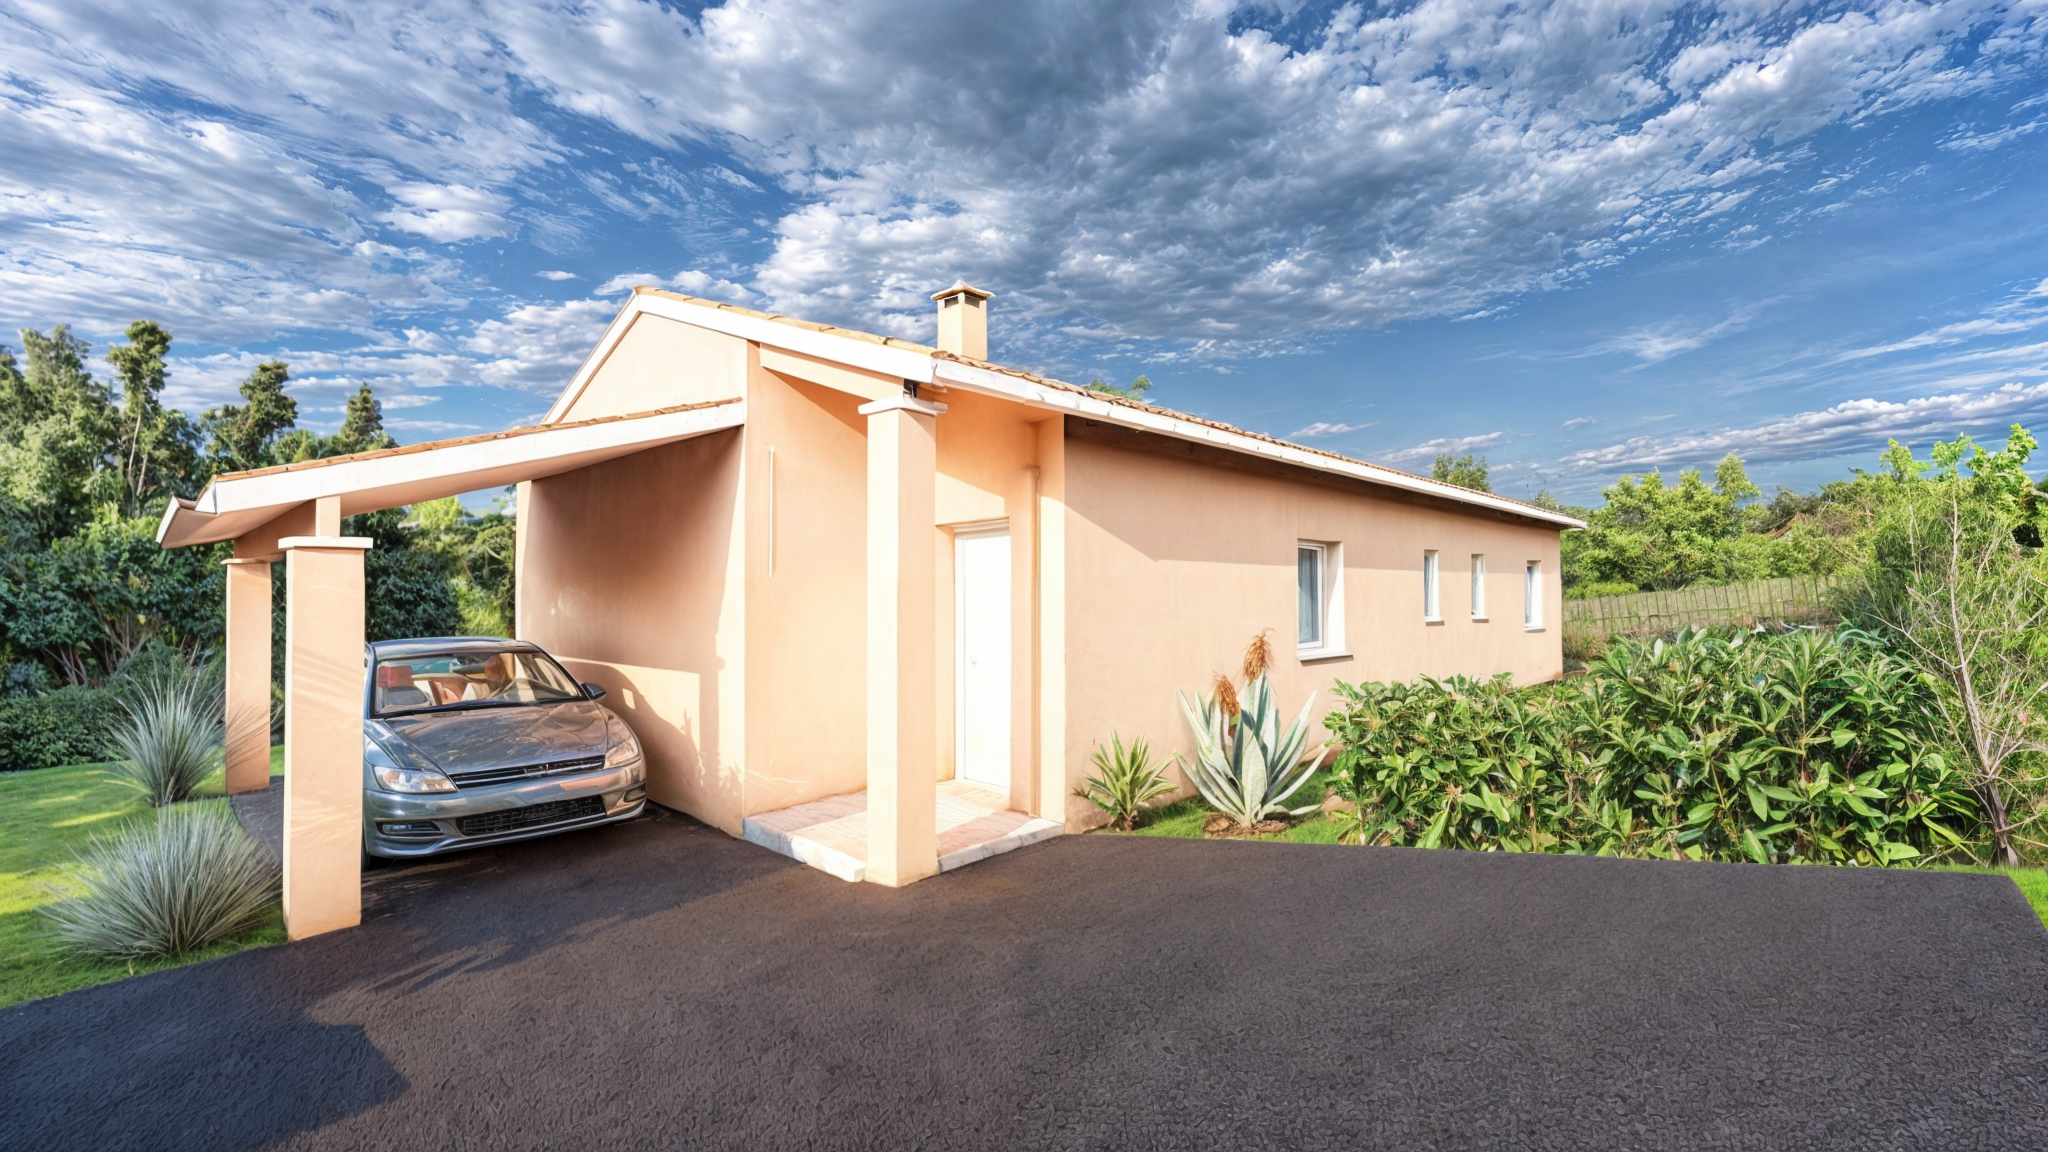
x=1792 y=598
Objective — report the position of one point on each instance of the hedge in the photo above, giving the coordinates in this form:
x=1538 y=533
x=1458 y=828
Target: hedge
x=66 y=726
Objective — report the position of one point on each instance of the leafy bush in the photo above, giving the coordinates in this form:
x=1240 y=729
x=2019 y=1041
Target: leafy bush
x=1126 y=780
x=174 y=733
x=168 y=885
x=66 y=726
x=1723 y=745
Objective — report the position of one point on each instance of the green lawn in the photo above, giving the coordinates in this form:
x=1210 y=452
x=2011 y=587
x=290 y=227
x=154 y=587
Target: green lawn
x=46 y=815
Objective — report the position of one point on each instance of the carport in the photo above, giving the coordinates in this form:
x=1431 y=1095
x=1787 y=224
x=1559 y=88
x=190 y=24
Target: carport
x=294 y=513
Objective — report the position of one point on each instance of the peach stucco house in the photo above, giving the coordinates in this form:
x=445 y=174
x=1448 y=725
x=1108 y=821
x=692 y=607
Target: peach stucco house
x=872 y=603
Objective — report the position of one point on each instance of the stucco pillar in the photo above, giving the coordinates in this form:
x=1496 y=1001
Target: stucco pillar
x=902 y=718
x=248 y=675
x=323 y=733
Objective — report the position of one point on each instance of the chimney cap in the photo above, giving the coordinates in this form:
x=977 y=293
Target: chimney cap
x=962 y=287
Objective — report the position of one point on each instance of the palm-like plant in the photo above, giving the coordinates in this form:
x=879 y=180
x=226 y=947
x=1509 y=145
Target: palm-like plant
x=1126 y=780
x=174 y=734
x=1244 y=765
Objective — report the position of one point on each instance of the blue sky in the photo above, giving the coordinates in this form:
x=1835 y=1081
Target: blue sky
x=1582 y=239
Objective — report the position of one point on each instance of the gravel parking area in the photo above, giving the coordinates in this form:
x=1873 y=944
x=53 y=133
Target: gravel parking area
x=657 y=984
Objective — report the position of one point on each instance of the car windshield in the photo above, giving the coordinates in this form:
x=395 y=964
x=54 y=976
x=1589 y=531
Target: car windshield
x=451 y=680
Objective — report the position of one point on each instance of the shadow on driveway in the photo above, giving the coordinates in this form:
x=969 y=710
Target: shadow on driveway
x=658 y=984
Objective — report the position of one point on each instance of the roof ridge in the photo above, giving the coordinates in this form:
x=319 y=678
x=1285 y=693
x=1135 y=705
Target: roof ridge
x=1451 y=490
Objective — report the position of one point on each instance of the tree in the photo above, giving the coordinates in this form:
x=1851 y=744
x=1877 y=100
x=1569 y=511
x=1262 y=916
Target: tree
x=245 y=436
x=1135 y=390
x=1975 y=607
x=158 y=447
x=1465 y=471
x=362 y=427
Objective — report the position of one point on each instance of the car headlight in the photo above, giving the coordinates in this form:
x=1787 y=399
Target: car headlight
x=625 y=748
x=392 y=778
x=412 y=780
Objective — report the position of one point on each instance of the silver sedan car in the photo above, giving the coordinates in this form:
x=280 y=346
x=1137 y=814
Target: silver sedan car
x=474 y=740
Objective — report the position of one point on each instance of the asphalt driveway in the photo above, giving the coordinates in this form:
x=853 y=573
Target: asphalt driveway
x=660 y=985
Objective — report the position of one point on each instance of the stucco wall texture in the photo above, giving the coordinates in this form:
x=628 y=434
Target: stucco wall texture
x=717 y=586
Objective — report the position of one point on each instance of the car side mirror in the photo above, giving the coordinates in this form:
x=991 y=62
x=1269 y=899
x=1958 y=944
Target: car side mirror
x=594 y=691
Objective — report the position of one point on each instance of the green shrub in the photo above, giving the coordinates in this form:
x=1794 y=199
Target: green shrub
x=167 y=885
x=174 y=734
x=1724 y=745
x=1126 y=781
x=65 y=726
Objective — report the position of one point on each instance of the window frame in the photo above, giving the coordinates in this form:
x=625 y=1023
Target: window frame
x=1532 y=596
x=1432 y=587
x=1329 y=600
x=1479 y=586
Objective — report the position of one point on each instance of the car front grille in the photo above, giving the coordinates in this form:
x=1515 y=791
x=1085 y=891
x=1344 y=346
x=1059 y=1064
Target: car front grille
x=483 y=776
x=532 y=816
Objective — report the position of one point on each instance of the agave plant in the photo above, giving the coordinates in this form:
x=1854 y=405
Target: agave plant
x=167 y=885
x=1244 y=765
x=174 y=733
x=1126 y=780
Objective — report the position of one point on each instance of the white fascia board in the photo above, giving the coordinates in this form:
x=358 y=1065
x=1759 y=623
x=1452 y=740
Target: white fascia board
x=285 y=489
x=900 y=363
x=952 y=373
x=613 y=333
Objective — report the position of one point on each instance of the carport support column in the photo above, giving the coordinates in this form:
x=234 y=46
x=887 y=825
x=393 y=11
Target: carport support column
x=248 y=675
x=902 y=641
x=323 y=733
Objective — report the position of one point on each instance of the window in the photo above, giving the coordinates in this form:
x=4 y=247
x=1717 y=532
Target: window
x=473 y=678
x=1319 y=599
x=1532 y=595
x=1431 y=608
x=1478 y=586
x=1309 y=612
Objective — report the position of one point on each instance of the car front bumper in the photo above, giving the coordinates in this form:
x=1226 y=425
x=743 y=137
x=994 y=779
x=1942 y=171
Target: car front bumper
x=403 y=825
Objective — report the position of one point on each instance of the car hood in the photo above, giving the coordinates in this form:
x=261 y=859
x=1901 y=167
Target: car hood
x=477 y=738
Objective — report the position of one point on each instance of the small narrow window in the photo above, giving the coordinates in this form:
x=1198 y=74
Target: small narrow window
x=1478 y=586
x=1532 y=595
x=1432 y=608
x=1309 y=595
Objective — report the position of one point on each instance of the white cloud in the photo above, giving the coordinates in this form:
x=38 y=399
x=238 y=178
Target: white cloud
x=556 y=274
x=407 y=400
x=1852 y=426
x=1579 y=422
x=1324 y=428
x=448 y=212
x=1454 y=445
x=438 y=428
x=1175 y=171
x=539 y=346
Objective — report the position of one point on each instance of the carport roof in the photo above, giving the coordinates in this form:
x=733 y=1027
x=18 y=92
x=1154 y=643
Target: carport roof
x=237 y=502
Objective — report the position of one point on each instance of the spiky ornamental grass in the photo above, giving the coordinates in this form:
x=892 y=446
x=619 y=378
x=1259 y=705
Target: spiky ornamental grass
x=1126 y=781
x=166 y=886
x=174 y=734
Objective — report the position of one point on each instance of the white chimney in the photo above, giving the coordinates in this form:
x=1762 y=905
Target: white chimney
x=963 y=321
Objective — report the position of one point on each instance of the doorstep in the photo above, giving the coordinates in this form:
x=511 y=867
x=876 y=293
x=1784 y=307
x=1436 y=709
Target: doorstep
x=831 y=835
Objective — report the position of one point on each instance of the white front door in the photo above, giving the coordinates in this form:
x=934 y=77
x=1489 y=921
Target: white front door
x=981 y=660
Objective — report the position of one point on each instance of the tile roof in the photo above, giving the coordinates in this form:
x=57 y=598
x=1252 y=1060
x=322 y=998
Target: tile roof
x=1047 y=381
